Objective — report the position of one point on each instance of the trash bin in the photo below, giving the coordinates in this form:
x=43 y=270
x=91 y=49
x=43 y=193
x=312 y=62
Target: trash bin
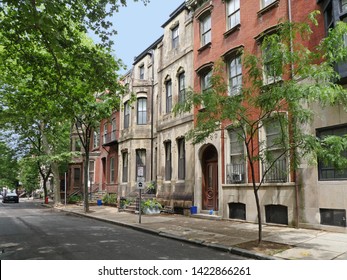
x=99 y=202
x=193 y=210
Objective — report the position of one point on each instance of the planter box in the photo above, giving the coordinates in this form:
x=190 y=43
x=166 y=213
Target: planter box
x=151 y=210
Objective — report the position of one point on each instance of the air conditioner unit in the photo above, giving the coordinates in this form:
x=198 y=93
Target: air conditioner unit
x=237 y=178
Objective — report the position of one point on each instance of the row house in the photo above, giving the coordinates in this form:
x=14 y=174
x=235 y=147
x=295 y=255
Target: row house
x=103 y=161
x=152 y=136
x=137 y=122
x=323 y=188
x=222 y=183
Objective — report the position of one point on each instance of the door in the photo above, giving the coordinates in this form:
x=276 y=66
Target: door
x=211 y=186
x=210 y=179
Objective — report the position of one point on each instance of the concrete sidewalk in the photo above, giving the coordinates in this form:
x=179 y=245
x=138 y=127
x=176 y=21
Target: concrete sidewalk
x=281 y=242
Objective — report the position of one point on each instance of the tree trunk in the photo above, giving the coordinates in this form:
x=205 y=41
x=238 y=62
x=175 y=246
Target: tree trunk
x=260 y=228
x=44 y=189
x=86 y=179
x=56 y=181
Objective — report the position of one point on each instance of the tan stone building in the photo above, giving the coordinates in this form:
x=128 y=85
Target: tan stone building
x=174 y=154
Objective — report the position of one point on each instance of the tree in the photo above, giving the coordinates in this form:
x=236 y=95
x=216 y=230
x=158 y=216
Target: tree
x=298 y=76
x=8 y=166
x=48 y=62
x=28 y=175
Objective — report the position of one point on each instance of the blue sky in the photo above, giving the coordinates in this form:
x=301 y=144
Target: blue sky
x=139 y=26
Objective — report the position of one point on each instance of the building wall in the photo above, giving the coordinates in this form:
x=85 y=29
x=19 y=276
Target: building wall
x=316 y=194
x=174 y=61
x=138 y=136
x=253 y=22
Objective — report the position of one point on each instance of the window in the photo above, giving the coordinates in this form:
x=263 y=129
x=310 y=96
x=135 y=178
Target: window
x=112 y=173
x=175 y=37
x=276 y=214
x=181 y=159
x=236 y=166
x=327 y=171
x=237 y=211
x=205 y=29
x=275 y=159
x=168 y=161
x=235 y=76
x=91 y=171
x=233 y=13
x=104 y=138
x=343 y=6
x=126 y=114
x=96 y=138
x=77 y=178
x=125 y=167
x=142 y=72
x=142 y=110
x=78 y=145
x=206 y=81
x=141 y=162
x=168 y=87
x=266 y=2
x=181 y=87
x=272 y=61
x=333 y=217
x=114 y=129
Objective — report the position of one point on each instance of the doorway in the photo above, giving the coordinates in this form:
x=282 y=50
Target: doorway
x=209 y=166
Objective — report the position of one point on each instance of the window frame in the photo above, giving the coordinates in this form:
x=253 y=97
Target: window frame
x=168 y=161
x=125 y=159
x=104 y=137
x=142 y=111
x=112 y=170
x=96 y=138
x=181 y=87
x=236 y=172
x=181 y=159
x=266 y=3
x=142 y=72
x=175 y=37
x=113 y=129
x=168 y=96
x=326 y=167
x=233 y=12
x=279 y=172
x=91 y=172
x=235 y=90
x=126 y=122
x=205 y=29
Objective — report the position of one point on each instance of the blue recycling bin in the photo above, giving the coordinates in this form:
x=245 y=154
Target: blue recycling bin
x=99 y=202
x=193 y=210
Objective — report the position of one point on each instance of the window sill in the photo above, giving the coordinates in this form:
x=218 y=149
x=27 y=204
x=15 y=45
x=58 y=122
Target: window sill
x=232 y=30
x=268 y=8
x=207 y=46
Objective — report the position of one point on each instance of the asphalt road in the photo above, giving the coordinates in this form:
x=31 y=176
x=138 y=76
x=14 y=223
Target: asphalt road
x=30 y=231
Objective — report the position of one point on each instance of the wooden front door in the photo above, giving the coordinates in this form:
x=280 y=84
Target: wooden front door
x=210 y=180
x=211 y=186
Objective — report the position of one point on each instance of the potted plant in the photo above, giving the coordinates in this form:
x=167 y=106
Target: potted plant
x=151 y=206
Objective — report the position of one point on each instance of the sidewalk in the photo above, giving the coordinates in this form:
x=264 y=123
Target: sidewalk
x=233 y=236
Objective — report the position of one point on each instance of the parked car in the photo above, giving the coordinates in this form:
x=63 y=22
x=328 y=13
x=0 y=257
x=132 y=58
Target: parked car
x=10 y=197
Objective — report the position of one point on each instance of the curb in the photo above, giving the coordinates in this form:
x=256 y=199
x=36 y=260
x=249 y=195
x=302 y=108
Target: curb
x=232 y=250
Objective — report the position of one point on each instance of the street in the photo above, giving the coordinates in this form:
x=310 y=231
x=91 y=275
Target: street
x=30 y=231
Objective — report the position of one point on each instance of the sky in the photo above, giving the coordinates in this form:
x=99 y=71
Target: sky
x=138 y=26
